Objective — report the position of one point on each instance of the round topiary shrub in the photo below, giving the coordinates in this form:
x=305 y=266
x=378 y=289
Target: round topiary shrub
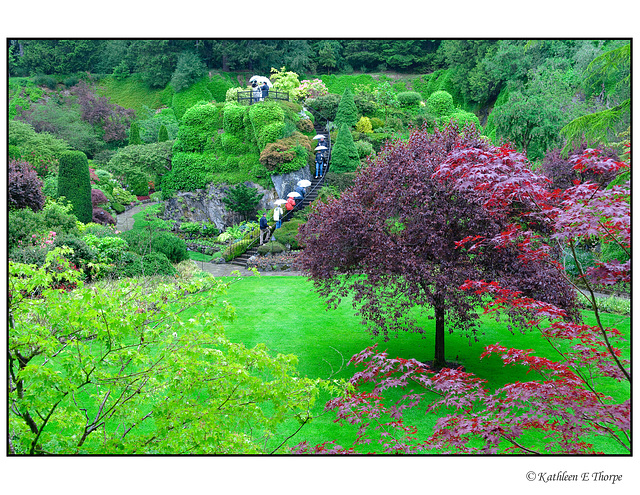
x=440 y=103
x=75 y=185
x=409 y=98
x=271 y=247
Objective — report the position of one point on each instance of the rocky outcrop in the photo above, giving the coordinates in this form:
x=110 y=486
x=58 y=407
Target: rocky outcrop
x=207 y=205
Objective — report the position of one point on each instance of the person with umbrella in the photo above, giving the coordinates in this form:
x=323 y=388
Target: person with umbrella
x=265 y=90
x=277 y=213
x=319 y=164
x=290 y=205
x=256 y=92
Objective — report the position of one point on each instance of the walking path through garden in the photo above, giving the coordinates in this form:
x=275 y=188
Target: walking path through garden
x=125 y=222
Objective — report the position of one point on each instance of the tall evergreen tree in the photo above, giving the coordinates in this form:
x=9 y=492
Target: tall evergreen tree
x=344 y=154
x=347 y=111
x=74 y=183
x=242 y=199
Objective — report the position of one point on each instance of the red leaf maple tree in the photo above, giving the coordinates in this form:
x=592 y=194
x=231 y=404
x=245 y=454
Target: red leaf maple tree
x=562 y=403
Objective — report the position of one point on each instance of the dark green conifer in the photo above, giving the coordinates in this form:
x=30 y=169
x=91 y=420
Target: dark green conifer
x=344 y=154
x=163 y=134
x=347 y=112
x=134 y=134
x=74 y=183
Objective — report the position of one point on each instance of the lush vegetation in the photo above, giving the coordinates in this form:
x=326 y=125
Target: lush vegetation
x=466 y=176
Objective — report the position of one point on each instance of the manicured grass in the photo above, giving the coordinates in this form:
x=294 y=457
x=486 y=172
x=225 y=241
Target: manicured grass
x=288 y=316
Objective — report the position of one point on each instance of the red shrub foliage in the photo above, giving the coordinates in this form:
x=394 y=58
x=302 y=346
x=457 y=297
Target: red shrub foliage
x=24 y=187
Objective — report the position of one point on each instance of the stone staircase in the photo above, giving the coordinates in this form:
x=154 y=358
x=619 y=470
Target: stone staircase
x=312 y=194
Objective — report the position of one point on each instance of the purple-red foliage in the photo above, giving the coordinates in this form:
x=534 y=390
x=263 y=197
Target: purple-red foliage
x=562 y=173
x=562 y=402
x=396 y=233
x=24 y=187
x=102 y=217
x=98 y=110
x=98 y=197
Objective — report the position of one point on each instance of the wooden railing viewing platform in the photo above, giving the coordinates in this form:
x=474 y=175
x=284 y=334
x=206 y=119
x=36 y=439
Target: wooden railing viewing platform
x=247 y=96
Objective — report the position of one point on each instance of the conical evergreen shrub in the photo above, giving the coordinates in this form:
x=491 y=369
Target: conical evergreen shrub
x=74 y=183
x=134 y=134
x=344 y=154
x=347 y=112
x=163 y=134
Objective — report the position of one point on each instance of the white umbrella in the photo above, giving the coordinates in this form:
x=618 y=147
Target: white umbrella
x=304 y=183
x=321 y=148
x=260 y=80
x=294 y=194
x=279 y=201
x=318 y=136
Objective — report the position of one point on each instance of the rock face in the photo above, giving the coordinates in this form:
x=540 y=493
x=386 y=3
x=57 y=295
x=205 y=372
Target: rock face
x=207 y=205
x=286 y=183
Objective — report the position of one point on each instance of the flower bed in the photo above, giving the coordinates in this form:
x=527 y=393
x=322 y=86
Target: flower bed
x=275 y=262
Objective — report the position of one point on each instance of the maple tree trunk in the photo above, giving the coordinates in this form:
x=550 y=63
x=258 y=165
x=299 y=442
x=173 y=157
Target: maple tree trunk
x=438 y=358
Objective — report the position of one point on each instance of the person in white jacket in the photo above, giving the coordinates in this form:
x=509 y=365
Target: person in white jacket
x=277 y=215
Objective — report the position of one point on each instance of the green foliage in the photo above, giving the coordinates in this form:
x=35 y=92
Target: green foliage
x=121 y=351
x=74 y=183
x=364 y=125
x=163 y=134
x=347 y=112
x=344 y=154
x=408 y=99
x=267 y=121
x=109 y=248
x=156 y=263
x=42 y=150
x=440 y=103
x=284 y=80
x=197 y=93
x=219 y=84
x=150 y=127
x=145 y=241
x=242 y=199
x=136 y=165
x=134 y=134
x=190 y=171
x=287 y=155
x=236 y=249
x=188 y=70
x=337 y=83
x=287 y=233
x=132 y=92
x=199 y=125
x=365 y=148
x=271 y=247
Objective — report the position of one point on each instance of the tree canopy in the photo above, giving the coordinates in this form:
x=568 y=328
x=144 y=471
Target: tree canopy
x=395 y=243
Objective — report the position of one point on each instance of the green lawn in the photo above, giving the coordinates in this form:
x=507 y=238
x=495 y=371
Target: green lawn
x=288 y=316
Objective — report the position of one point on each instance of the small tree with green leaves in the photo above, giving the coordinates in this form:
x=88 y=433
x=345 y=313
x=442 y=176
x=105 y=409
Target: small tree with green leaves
x=243 y=199
x=74 y=183
x=347 y=111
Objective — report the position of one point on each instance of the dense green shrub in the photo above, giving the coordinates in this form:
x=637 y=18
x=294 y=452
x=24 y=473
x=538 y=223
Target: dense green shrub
x=188 y=70
x=157 y=264
x=219 y=85
x=347 y=112
x=365 y=148
x=340 y=181
x=326 y=106
x=137 y=165
x=41 y=149
x=50 y=186
x=24 y=187
x=189 y=171
x=409 y=99
x=236 y=249
x=271 y=247
x=267 y=121
x=150 y=127
x=74 y=183
x=82 y=253
x=287 y=233
x=29 y=255
x=163 y=134
x=199 y=125
x=134 y=134
x=130 y=265
x=440 y=103
x=109 y=249
x=344 y=154
x=144 y=242
x=463 y=118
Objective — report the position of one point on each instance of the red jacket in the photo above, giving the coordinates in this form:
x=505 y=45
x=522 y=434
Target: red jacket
x=290 y=204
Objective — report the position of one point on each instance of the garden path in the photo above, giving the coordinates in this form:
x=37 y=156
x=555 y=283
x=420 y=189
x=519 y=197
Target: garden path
x=124 y=221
